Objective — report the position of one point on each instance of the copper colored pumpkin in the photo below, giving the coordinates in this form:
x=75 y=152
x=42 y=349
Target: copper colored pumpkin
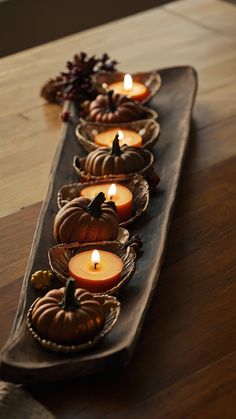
x=115 y=160
x=68 y=316
x=82 y=220
x=112 y=108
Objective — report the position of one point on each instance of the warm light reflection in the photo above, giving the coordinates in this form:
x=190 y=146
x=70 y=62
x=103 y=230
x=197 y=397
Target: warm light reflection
x=95 y=258
x=120 y=135
x=112 y=191
x=128 y=82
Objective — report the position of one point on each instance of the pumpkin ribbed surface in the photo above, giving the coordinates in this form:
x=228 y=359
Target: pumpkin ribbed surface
x=68 y=324
x=118 y=160
x=112 y=108
x=82 y=220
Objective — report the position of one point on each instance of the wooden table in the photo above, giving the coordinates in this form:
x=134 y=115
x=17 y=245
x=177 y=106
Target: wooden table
x=185 y=361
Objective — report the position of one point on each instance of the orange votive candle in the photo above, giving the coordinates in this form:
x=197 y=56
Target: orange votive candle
x=136 y=90
x=119 y=194
x=126 y=136
x=96 y=271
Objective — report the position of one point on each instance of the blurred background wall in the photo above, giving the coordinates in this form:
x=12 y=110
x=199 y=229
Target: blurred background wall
x=27 y=23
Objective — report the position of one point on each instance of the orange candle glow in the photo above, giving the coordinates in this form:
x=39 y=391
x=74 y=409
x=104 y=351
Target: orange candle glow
x=96 y=271
x=126 y=136
x=117 y=193
x=137 y=91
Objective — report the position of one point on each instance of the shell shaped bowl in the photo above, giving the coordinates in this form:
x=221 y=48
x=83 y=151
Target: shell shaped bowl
x=137 y=185
x=148 y=129
x=151 y=79
x=79 y=166
x=146 y=114
x=60 y=255
x=112 y=310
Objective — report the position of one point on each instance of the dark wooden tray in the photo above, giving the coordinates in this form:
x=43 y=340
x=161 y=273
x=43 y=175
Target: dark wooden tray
x=22 y=359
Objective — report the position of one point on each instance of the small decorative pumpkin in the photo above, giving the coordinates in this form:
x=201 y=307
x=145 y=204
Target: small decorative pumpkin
x=112 y=108
x=41 y=279
x=117 y=160
x=83 y=220
x=68 y=316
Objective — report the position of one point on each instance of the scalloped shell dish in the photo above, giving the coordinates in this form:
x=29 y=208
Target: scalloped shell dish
x=151 y=79
x=79 y=162
x=60 y=255
x=138 y=186
x=148 y=129
x=112 y=310
x=148 y=113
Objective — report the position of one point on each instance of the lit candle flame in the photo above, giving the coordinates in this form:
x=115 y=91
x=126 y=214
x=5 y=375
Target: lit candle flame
x=112 y=191
x=120 y=135
x=95 y=258
x=128 y=82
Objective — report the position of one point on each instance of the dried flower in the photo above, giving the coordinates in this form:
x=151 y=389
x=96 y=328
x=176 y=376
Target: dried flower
x=65 y=116
x=76 y=84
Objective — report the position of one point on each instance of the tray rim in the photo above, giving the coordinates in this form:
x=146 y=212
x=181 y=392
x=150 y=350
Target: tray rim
x=122 y=351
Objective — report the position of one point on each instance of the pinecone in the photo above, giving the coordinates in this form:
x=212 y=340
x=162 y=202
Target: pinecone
x=52 y=91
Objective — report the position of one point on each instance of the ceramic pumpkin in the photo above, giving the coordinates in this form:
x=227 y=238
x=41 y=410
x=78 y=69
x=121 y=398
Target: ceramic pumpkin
x=115 y=160
x=82 y=220
x=41 y=279
x=112 y=108
x=68 y=316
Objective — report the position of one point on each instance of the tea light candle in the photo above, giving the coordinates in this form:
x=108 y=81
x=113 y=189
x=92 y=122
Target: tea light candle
x=96 y=271
x=136 y=90
x=117 y=193
x=126 y=136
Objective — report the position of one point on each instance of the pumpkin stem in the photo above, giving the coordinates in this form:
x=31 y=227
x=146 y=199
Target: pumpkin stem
x=116 y=150
x=94 y=208
x=69 y=301
x=111 y=104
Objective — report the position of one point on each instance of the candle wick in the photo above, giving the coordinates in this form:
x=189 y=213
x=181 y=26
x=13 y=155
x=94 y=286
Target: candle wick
x=110 y=197
x=95 y=265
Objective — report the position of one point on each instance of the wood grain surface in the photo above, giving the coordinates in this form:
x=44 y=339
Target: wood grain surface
x=184 y=364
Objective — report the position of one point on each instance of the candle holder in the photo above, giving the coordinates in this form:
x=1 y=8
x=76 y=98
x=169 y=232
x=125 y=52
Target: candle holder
x=147 y=113
x=79 y=166
x=117 y=113
x=112 y=310
x=148 y=129
x=60 y=255
x=151 y=79
x=137 y=185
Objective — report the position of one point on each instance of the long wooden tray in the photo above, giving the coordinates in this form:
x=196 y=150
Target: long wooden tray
x=22 y=359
